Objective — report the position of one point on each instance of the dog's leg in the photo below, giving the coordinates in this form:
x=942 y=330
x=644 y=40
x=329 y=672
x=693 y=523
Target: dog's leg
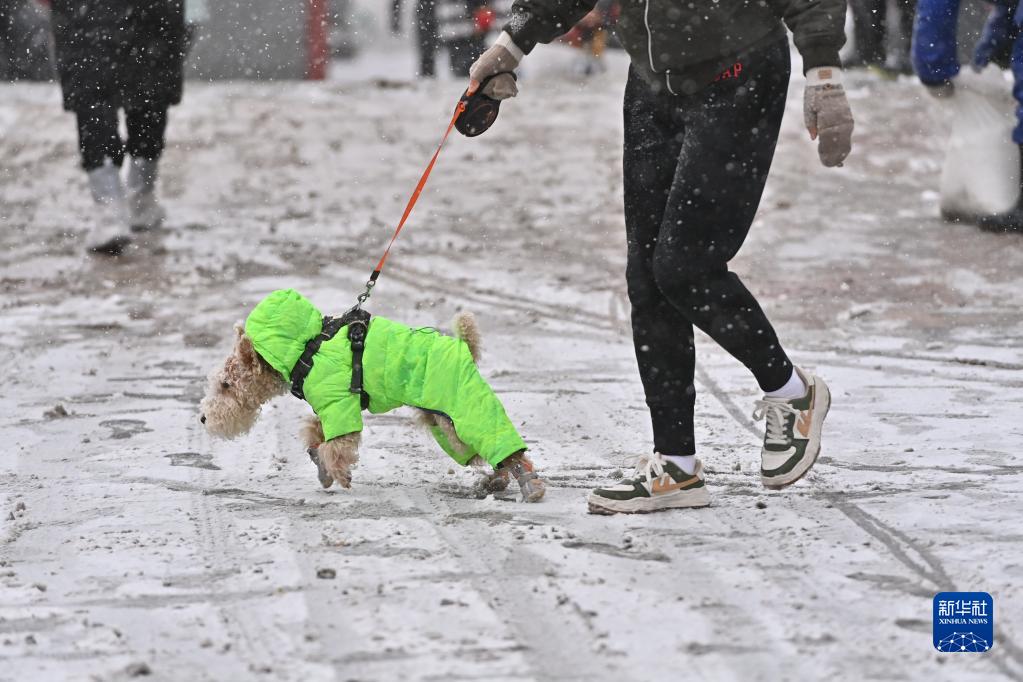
x=311 y=435
x=517 y=465
x=311 y=432
x=486 y=483
x=339 y=455
x=447 y=427
x=427 y=420
x=490 y=483
x=432 y=420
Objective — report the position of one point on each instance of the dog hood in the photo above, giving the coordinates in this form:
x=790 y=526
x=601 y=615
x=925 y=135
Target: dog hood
x=280 y=326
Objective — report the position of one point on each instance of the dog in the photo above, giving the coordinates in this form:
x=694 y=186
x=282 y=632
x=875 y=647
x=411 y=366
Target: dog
x=343 y=366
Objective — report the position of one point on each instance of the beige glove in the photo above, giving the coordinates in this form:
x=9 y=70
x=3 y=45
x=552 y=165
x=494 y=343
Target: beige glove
x=502 y=57
x=827 y=115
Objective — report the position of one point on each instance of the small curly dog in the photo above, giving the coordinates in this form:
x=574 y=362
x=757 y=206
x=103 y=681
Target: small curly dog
x=344 y=365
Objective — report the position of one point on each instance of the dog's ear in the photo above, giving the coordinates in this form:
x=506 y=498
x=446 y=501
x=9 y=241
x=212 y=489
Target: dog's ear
x=246 y=352
x=239 y=328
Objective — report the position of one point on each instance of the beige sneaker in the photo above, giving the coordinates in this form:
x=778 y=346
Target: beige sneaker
x=656 y=485
x=792 y=437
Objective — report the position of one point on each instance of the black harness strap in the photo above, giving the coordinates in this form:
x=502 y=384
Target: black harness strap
x=357 y=321
x=358 y=327
x=331 y=326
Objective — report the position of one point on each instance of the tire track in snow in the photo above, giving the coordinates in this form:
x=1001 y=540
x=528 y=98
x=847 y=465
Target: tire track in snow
x=501 y=301
x=955 y=360
x=216 y=540
x=530 y=619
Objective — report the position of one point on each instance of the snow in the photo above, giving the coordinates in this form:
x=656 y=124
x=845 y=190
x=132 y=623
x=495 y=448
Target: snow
x=131 y=537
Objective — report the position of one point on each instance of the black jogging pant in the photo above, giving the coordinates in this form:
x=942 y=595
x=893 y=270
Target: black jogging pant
x=695 y=168
x=99 y=137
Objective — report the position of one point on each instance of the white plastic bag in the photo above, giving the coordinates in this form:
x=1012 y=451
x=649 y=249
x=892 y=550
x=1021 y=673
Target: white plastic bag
x=982 y=164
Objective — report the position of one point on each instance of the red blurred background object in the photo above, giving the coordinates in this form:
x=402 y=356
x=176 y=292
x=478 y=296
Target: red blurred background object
x=317 y=34
x=484 y=19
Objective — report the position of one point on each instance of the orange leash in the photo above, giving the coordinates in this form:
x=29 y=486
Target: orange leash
x=409 y=206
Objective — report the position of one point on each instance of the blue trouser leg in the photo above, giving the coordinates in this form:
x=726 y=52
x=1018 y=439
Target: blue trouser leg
x=1017 y=89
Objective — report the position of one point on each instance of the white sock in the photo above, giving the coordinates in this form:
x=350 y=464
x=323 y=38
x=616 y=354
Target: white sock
x=686 y=463
x=793 y=388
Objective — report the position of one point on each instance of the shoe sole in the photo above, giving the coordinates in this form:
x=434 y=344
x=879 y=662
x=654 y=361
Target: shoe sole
x=814 y=446
x=679 y=499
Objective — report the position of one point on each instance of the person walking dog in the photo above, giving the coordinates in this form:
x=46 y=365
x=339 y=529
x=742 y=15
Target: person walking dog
x=113 y=55
x=703 y=104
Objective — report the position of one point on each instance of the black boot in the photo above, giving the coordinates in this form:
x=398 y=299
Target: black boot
x=1012 y=221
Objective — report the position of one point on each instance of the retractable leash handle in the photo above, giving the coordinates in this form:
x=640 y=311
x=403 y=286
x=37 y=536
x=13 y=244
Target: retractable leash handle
x=364 y=296
x=480 y=110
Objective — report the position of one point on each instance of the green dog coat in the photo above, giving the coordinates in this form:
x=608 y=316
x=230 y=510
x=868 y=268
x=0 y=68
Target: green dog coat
x=401 y=366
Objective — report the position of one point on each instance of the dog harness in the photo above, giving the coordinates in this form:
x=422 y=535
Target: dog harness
x=342 y=366
x=357 y=321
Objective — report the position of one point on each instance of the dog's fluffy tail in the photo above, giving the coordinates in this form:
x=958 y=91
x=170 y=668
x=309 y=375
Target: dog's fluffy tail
x=467 y=330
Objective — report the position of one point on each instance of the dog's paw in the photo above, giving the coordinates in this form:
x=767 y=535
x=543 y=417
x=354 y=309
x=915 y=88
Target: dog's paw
x=531 y=485
x=533 y=489
x=496 y=482
x=490 y=484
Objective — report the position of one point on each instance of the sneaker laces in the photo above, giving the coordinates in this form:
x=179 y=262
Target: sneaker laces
x=775 y=412
x=647 y=466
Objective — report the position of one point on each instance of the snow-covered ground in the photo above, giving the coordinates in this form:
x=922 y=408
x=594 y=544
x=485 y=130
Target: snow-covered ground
x=132 y=539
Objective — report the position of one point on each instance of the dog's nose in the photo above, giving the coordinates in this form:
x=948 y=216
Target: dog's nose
x=202 y=419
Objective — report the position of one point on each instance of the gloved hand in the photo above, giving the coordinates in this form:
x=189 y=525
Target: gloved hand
x=594 y=19
x=827 y=115
x=502 y=58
